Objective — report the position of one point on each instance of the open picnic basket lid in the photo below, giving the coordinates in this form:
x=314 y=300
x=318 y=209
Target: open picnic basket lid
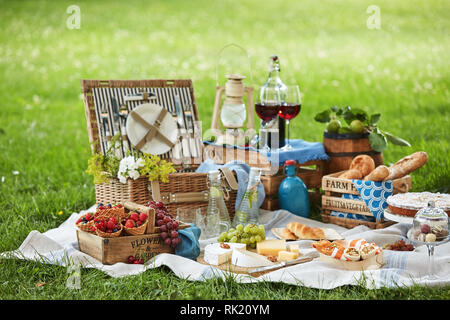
x=109 y=104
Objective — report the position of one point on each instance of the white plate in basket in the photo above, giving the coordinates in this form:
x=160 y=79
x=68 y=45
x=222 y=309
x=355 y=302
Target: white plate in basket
x=135 y=131
x=330 y=234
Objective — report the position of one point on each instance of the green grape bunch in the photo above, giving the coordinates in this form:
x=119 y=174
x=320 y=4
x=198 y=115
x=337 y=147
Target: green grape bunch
x=249 y=234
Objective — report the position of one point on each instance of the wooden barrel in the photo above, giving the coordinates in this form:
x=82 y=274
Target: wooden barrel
x=342 y=148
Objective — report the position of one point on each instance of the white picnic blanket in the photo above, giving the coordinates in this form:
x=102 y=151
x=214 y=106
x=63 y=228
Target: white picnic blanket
x=59 y=247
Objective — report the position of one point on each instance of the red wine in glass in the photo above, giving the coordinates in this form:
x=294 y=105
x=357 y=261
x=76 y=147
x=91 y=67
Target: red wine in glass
x=289 y=111
x=266 y=112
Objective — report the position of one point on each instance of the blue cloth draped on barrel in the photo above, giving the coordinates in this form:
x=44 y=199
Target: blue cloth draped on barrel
x=302 y=152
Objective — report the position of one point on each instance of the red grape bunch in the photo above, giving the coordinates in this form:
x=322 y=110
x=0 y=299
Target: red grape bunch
x=167 y=224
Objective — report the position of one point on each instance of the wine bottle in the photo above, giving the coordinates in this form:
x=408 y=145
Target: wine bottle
x=274 y=81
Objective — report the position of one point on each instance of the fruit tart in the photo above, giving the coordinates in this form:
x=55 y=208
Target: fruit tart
x=108 y=227
x=86 y=223
x=110 y=210
x=135 y=223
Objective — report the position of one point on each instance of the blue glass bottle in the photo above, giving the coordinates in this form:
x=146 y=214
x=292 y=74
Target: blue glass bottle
x=292 y=193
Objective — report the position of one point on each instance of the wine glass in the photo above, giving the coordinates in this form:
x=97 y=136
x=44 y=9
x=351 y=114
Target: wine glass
x=290 y=108
x=267 y=104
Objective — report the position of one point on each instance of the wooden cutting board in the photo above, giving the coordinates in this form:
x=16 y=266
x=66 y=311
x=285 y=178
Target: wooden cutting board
x=232 y=268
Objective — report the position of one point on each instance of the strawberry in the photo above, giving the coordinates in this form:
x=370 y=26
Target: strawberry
x=113 y=219
x=89 y=217
x=131 y=259
x=139 y=223
x=130 y=223
x=143 y=216
x=134 y=216
x=110 y=225
x=78 y=221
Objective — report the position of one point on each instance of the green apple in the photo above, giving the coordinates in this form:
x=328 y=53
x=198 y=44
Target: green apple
x=357 y=126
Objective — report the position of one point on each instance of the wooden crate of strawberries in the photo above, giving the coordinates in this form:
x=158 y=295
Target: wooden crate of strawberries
x=128 y=233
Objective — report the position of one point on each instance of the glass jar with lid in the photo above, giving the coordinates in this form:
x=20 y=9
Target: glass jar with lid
x=430 y=224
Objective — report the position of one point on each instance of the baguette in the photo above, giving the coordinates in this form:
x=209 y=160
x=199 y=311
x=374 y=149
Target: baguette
x=407 y=165
x=379 y=174
x=351 y=174
x=302 y=231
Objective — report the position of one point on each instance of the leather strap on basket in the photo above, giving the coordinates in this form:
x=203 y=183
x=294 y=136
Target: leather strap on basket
x=165 y=198
x=229 y=178
x=153 y=129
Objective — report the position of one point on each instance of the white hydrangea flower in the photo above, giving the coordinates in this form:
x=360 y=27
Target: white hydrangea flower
x=129 y=168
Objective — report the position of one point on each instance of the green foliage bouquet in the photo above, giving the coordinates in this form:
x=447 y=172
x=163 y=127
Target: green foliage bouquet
x=109 y=166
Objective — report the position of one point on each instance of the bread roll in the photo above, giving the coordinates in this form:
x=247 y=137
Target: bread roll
x=407 y=165
x=363 y=163
x=302 y=231
x=351 y=174
x=379 y=174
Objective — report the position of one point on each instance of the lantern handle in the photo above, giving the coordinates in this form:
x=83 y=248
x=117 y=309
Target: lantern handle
x=218 y=58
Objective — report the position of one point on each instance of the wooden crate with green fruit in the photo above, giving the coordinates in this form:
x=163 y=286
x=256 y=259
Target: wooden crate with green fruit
x=350 y=132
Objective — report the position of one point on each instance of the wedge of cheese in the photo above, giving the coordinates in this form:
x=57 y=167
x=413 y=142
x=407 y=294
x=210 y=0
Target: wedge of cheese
x=244 y=258
x=271 y=247
x=294 y=248
x=287 y=256
x=216 y=255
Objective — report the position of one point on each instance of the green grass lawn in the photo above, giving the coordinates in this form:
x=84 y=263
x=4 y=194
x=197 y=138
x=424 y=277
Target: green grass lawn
x=401 y=70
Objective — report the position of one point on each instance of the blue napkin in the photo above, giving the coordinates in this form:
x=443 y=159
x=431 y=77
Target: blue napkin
x=374 y=194
x=302 y=152
x=189 y=246
x=242 y=171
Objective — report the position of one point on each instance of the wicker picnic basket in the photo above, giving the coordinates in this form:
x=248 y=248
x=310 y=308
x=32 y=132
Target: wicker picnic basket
x=188 y=190
x=184 y=189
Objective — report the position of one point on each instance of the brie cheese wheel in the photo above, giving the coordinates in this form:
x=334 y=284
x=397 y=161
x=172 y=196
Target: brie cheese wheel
x=244 y=258
x=216 y=255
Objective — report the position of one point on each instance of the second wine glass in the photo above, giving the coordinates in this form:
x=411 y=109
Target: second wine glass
x=267 y=105
x=289 y=109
